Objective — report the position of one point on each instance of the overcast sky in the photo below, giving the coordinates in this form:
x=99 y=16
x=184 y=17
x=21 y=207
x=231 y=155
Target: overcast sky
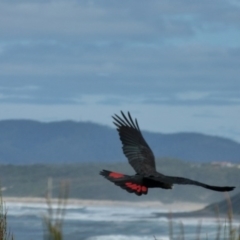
x=175 y=65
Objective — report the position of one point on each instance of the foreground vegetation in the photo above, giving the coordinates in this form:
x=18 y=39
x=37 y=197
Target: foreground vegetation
x=225 y=231
x=54 y=218
x=5 y=234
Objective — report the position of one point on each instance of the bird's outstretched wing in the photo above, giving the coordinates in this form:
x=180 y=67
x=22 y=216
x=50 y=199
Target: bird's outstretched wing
x=135 y=148
x=186 y=181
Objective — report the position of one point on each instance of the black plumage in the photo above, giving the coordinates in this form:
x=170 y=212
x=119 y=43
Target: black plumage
x=141 y=158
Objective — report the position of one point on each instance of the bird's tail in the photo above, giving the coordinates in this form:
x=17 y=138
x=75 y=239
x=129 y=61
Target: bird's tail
x=132 y=184
x=219 y=189
x=180 y=180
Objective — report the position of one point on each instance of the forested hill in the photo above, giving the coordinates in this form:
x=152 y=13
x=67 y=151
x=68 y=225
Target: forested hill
x=25 y=141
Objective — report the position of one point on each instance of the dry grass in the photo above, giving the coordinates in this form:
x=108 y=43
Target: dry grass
x=225 y=231
x=5 y=234
x=53 y=220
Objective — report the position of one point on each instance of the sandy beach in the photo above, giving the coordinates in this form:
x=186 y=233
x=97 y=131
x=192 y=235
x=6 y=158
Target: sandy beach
x=177 y=206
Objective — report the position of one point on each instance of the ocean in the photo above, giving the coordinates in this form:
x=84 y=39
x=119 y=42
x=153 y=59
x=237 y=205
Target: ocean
x=25 y=220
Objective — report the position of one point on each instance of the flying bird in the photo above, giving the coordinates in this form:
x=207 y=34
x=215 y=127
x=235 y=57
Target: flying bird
x=141 y=158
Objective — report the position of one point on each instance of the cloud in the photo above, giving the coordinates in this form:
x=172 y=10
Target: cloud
x=108 y=20
x=154 y=52
x=142 y=72
x=23 y=88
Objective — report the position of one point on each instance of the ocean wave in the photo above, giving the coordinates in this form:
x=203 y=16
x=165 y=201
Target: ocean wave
x=105 y=214
x=127 y=237
x=91 y=213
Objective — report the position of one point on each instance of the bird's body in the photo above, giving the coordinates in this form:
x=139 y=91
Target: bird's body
x=141 y=158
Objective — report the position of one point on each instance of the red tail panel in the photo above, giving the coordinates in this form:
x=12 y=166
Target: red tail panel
x=115 y=175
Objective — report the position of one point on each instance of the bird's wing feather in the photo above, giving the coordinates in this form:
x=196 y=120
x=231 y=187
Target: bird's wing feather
x=135 y=148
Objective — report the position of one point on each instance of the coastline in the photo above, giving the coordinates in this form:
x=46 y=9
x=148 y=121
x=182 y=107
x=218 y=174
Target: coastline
x=174 y=207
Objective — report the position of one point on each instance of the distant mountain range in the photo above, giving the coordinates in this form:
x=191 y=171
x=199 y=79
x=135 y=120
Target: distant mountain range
x=27 y=142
